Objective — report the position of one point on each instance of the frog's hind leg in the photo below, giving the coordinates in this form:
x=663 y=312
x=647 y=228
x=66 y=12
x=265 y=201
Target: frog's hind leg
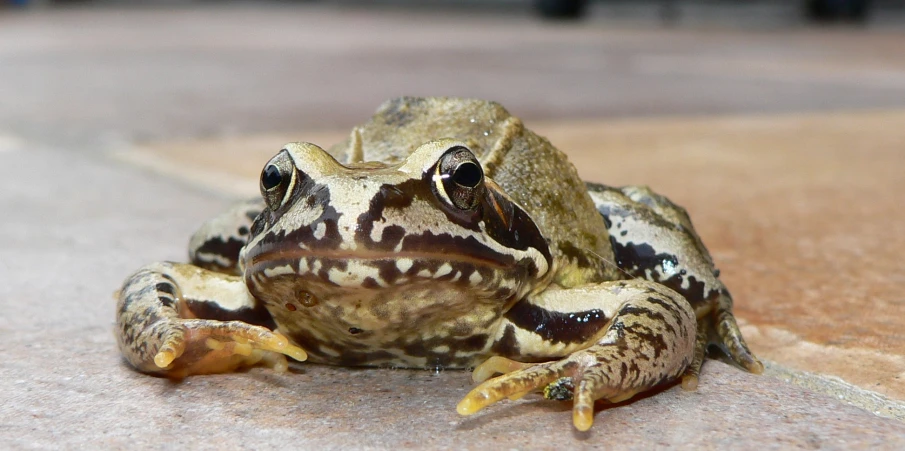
x=619 y=338
x=177 y=319
x=216 y=244
x=654 y=238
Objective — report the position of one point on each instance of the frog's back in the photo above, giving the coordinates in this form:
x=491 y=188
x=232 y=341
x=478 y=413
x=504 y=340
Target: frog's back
x=401 y=125
x=528 y=168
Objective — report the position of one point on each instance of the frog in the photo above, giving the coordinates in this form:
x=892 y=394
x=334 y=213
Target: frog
x=442 y=233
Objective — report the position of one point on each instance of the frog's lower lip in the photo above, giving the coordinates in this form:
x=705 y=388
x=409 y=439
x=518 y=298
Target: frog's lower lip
x=282 y=256
x=436 y=249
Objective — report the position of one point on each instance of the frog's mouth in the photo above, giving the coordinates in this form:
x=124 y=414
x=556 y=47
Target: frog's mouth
x=436 y=259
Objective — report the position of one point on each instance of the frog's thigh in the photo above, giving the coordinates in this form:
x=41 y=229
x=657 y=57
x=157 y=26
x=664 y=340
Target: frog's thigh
x=654 y=238
x=216 y=244
x=178 y=319
x=618 y=338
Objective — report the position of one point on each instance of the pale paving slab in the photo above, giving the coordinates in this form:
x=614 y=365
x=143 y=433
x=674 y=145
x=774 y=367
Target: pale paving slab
x=802 y=213
x=81 y=224
x=9 y=143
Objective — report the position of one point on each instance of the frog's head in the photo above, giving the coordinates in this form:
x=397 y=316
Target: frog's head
x=432 y=222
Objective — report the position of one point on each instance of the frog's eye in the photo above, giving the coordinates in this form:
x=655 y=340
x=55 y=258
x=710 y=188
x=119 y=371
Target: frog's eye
x=467 y=174
x=276 y=179
x=459 y=178
x=271 y=177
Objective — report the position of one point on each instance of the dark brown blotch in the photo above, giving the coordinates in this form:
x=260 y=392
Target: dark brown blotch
x=557 y=327
x=258 y=315
x=507 y=345
x=167 y=288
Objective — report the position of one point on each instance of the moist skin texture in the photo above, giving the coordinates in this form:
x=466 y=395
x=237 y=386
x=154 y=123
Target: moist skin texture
x=441 y=234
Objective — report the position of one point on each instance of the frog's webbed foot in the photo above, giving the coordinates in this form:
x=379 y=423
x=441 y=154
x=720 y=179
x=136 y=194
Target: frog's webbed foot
x=519 y=380
x=202 y=346
x=730 y=337
x=583 y=377
x=158 y=330
x=648 y=340
x=720 y=328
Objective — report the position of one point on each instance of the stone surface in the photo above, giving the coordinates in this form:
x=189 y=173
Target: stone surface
x=800 y=211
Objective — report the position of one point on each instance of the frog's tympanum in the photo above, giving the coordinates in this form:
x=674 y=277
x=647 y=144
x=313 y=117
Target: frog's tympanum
x=441 y=234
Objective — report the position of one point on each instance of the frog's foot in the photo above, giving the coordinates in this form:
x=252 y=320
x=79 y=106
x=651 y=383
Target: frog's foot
x=720 y=328
x=730 y=337
x=159 y=331
x=650 y=339
x=518 y=380
x=583 y=377
x=693 y=372
x=199 y=346
x=496 y=365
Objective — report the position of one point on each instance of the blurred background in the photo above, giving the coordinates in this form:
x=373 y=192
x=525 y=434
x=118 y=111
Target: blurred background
x=147 y=69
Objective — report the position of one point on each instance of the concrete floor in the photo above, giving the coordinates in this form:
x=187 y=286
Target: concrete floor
x=115 y=135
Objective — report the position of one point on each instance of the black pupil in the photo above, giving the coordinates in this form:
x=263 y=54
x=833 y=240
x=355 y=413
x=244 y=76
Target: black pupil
x=271 y=177
x=467 y=174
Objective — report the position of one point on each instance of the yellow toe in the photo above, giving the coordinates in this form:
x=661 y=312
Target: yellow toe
x=583 y=418
x=163 y=359
x=472 y=403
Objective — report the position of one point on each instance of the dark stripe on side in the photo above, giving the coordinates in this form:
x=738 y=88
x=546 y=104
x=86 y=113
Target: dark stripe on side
x=637 y=259
x=258 y=315
x=507 y=345
x=228 y=249
x=577 y=327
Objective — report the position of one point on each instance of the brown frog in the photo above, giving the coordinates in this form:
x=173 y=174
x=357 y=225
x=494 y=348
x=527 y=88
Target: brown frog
x=442 y=233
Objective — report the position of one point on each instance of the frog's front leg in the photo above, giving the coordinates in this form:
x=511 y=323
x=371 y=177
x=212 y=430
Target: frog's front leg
x=618 y=338
x=178 y=319
x=654 y=238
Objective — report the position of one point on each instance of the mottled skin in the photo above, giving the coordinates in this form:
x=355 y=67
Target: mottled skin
x=442 y=233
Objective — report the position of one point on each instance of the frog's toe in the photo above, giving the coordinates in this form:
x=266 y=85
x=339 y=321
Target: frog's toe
x=497 y=365
x=579 y=378
x=690 y=378
x=731 y=340
x=513 y=385
x=200 y=346
x=693 y=371
x=734 y=345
